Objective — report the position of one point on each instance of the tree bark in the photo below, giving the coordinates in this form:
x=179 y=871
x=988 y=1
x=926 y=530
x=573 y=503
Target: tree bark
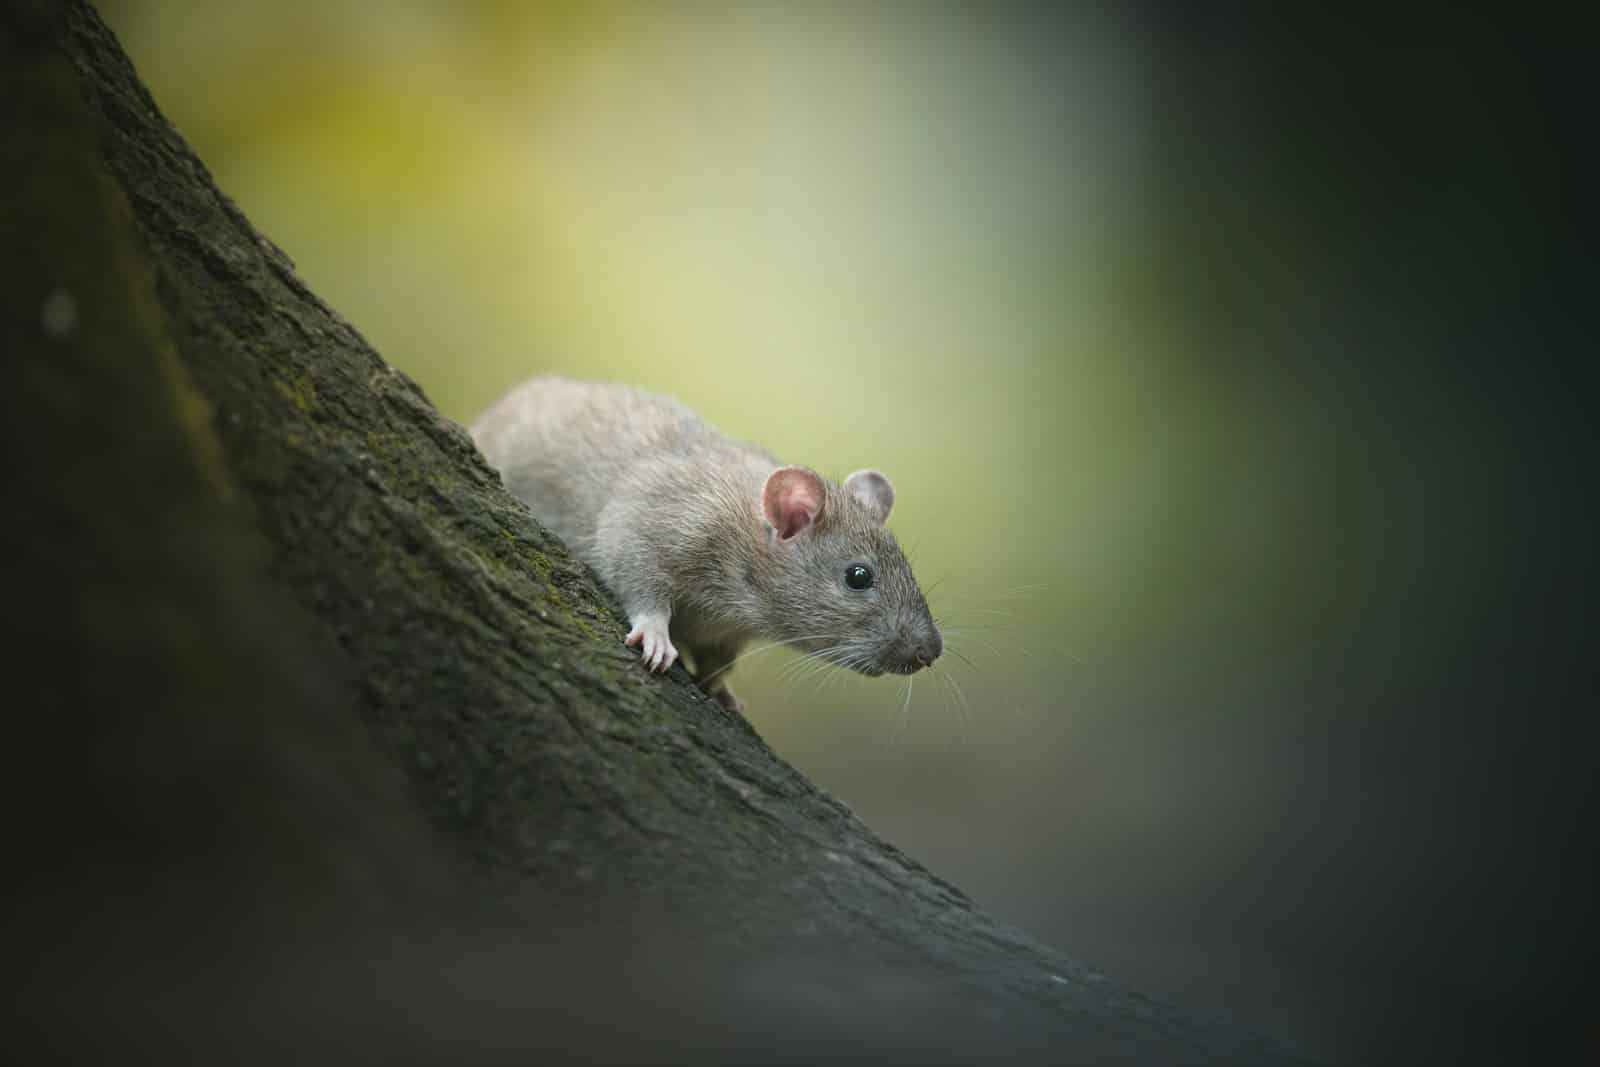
x=320 y=742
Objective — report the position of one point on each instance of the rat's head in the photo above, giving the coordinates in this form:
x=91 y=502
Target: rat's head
x=838 y=579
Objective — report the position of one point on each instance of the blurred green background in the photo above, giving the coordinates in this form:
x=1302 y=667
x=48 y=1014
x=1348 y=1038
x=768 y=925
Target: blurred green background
x=1201 y=358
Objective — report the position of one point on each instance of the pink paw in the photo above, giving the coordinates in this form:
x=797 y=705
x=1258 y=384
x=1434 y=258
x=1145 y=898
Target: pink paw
x=649 y=635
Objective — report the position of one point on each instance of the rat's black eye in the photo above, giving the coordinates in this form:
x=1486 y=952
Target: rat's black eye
x=858 y=577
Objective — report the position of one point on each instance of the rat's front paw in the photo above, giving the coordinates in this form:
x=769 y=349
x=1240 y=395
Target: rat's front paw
x=649 y=636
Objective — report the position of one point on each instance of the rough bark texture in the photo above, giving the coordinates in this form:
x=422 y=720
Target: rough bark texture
x=339 y=749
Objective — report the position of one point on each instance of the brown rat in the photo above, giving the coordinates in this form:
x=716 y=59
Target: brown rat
x=706 y=541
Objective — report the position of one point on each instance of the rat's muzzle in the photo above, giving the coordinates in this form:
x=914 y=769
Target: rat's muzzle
x=912 y=652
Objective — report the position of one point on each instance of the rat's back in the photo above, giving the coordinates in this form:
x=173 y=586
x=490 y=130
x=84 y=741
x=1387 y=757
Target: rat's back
x=567 y=449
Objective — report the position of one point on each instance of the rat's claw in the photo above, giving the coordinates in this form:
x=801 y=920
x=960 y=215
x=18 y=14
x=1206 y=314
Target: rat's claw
x=649 y=635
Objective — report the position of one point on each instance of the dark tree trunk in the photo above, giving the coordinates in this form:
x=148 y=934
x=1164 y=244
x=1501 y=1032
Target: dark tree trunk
x=320 y=745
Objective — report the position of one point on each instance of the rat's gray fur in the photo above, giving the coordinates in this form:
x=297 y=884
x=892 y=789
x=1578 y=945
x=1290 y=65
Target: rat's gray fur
x=669 y=513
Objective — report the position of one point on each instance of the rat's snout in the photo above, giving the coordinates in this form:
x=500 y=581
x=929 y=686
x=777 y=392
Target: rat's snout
x=910 y=651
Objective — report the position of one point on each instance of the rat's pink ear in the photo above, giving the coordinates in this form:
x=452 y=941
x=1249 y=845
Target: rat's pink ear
x=792 y=500
x=873 y=492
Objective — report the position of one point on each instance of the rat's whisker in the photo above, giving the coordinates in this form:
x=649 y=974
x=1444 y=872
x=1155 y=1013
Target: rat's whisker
x=963 y=705
x=855 y=656
x=847 y=666
x=958 y=654
x=848 y=662
x=999 y=620
x=903 y=717
x=843 y=654
x=765 y=648
x=857 y=662
x=809 y=660
x=971 y=629
x=1018 y=591
x=820 y=667
x=951 y=698
x=967 y=635
x=1014 y=593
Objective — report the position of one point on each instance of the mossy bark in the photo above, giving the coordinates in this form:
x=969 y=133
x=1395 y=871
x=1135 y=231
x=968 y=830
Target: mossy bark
x=308 y=690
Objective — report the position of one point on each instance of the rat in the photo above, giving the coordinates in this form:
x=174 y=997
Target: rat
x=709 y=542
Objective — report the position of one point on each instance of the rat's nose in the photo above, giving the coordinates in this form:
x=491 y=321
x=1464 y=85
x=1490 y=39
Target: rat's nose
x=927 y=650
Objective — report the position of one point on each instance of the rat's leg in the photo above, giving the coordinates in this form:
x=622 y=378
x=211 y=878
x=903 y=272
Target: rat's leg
x=711 y=672
x=634 y=572
x=649 y=634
